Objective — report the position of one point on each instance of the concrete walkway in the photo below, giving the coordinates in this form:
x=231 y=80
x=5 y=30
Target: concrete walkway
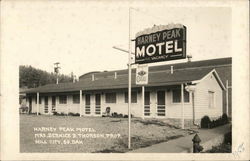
x=209 y=138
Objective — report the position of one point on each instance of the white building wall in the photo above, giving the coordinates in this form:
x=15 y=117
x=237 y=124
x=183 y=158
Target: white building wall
x=41 y=106
x=121 y=107
x=83 y=105
x=73 y=107
x=153 y=105
x=174 y=110
x=34 y=106
x=92 y=105
x=34 y=109
x=61 y=108
x=103 y=106
x=202 y=98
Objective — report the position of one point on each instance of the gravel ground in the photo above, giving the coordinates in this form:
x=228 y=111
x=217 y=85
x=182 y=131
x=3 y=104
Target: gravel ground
x=112 y=132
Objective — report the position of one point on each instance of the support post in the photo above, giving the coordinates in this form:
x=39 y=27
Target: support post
x=80 y=110
x=227 y=97
x=67 y=105
x=142 y=100
x=37 y=103
x=192 y=93
x=182 y=109
x=129 y=82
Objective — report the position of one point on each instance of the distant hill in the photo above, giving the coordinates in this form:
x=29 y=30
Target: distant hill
x=30 y=77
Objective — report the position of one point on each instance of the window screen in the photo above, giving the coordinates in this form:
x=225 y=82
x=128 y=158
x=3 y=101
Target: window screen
x=110 y=97
x=133 y=97
x=63 y=99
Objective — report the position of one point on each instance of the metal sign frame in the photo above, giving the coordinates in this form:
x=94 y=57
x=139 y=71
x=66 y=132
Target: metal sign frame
x=164 y=45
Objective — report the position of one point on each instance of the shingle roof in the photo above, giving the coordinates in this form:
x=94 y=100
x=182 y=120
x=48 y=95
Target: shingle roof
x=216 y=63
x=155 y=79
x=158 y=76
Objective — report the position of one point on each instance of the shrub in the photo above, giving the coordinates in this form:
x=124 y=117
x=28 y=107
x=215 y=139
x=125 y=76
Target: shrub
x=114 y=114
x=228 y=138
x=213 y=124
x=34 y=113
x=60 y=114
x=126 y=116
x=225 y=118
x=218 y=122
x=73 y=114
x=205 y=122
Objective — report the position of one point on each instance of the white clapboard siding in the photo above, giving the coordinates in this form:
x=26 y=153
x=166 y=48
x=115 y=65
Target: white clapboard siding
x=174 y=110
x=202 y=98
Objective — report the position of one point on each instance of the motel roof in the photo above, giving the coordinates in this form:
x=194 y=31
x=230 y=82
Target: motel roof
x=158 y=76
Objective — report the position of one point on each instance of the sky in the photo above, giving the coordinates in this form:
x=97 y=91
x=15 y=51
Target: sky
x=81 y=34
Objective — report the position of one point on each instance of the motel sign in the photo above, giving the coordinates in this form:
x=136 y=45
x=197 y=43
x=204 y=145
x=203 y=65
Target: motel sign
x=163 y=45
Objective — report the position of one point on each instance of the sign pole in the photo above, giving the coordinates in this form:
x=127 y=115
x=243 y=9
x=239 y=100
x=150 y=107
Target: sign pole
x=227 y=97
x=80 y=103
x=182 y=109
x=129 y=82
x=37 y=103
x=143 y=101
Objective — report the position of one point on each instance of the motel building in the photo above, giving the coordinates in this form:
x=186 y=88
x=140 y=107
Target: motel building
x=161 y=98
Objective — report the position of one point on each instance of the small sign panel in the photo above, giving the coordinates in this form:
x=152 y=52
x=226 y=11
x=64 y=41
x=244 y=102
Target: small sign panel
x=141 y=75
x=164 y=45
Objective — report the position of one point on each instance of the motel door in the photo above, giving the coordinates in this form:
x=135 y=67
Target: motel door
x=161 y=107
x=30 y=104
x=98 y=104
x=147 y=103
x=53 y=103
x=46 y=106
x=87 y=104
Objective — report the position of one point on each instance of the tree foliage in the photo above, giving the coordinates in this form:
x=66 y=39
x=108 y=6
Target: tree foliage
x=30 y=77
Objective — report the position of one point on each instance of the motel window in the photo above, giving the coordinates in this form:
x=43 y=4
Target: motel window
x=76 y=98
x=110 y=97
x=176 y=96
x=40 y=100
x=211 y=99
x=63 y=99
x=133 y=97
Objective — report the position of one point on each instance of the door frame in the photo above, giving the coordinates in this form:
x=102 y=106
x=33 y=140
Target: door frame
x=99 y=105
x=87 y=105
x=53 y=109
x=165 y=103
x=46 y=105
x=148 y=105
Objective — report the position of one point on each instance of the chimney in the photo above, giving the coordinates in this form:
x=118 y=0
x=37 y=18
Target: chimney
x=93 y=77
x=189 y=58
x=115 y=75
x=172 y=69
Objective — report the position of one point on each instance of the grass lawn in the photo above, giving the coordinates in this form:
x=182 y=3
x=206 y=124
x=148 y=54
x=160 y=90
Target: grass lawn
x=144 y=133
